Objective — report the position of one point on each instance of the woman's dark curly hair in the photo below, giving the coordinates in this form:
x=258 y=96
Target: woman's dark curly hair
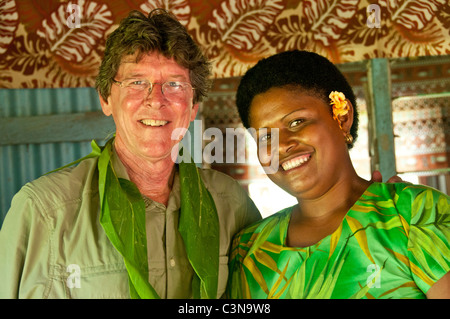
x=161 y=32
x=306 y=70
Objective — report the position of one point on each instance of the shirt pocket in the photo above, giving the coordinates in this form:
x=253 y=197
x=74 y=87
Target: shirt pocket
x=108 y=281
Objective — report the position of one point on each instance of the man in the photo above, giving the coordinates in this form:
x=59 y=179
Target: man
x=127 y=221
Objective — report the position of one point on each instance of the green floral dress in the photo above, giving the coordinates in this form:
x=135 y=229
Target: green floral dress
x=393 y=243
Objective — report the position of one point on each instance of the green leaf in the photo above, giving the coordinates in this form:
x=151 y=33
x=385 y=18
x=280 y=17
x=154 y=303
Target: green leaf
x=422 y=206
x=361 y=293
x=266 y=226
x=199 y=228
x=297 y=288
x=123 y=219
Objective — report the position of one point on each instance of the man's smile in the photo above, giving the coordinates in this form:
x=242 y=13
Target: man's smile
x=151 y=122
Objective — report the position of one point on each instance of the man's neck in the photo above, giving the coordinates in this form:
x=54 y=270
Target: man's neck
x=154 y=179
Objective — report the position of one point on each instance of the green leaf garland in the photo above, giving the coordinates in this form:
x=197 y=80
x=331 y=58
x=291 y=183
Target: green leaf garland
x=123 y=219
x=199 y=227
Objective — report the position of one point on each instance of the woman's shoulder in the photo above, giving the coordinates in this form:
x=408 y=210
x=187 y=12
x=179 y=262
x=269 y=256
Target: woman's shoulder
x=255 y=234
x=409 y=200
x=264 y=225
x=401 y=191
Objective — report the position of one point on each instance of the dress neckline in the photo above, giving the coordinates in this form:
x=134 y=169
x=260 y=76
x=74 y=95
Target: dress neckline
x=284 y=225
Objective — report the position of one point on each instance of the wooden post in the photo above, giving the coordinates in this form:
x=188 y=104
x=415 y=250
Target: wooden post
x=381 y=133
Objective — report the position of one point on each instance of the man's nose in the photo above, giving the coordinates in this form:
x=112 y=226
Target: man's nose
x=155 y=96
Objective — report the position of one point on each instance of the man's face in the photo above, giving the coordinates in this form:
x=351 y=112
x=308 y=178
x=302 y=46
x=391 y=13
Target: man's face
x=145 y=121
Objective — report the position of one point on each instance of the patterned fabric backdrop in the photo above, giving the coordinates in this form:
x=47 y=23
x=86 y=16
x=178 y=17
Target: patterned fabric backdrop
x=56 y=43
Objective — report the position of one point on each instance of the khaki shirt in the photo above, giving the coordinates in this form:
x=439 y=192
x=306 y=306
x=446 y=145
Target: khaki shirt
x=53 y=246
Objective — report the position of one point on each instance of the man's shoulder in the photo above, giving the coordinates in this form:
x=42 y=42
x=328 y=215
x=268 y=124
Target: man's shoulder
x=218 y=181
x=63 y=185
x=231 y=199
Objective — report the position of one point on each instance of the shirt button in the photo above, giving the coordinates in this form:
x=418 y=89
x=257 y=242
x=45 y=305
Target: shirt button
x=172 y=262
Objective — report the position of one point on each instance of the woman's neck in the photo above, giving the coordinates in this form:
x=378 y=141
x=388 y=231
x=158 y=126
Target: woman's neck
x=315 y=218
x=341 y=196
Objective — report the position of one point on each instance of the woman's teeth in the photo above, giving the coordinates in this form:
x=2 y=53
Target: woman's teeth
x=296 y=162
x=153 y=122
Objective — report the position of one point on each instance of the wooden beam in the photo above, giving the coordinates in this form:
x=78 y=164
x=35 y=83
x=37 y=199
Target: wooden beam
x=379 y=109
x=40 y=129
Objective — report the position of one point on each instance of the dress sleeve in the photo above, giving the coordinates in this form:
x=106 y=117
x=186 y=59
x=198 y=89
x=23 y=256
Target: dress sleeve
x=429 y=233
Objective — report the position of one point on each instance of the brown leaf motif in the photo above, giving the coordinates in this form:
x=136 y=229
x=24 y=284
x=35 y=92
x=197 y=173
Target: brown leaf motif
x=287 y=34
x=361 y=32
x=328 y=19
x=412 y=15
x=26 y=54
x=9 y=19
x=72 y=34
x=180 y=8
x=417 y=31
x=241 y=24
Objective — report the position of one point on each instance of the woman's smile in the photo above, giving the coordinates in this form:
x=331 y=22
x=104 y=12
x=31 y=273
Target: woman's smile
x=296 y=162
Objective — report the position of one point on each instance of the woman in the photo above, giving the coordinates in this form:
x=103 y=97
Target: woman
x=347 y=237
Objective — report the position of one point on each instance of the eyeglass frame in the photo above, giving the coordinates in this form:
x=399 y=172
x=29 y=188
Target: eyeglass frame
x=150 y=88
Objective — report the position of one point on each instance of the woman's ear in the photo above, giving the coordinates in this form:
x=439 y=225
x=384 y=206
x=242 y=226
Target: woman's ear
x=346 y=120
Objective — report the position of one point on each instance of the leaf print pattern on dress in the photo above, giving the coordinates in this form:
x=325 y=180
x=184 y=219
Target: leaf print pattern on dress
x=393 y=243
x=429 y=231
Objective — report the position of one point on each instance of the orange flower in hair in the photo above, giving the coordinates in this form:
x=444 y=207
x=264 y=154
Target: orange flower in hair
x=339 y=104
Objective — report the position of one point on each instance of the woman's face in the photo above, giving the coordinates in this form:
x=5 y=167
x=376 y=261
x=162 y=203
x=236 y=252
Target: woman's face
x=311 y=146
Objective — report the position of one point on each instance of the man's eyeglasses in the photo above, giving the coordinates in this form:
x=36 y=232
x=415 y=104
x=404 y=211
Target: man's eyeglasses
x=174 y=91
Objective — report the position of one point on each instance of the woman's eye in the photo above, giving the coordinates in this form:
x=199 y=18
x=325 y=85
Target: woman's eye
x=264 y=138
x=295 y=123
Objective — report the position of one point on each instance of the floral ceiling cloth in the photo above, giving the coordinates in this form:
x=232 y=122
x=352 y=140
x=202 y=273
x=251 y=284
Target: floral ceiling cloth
x=56 y=43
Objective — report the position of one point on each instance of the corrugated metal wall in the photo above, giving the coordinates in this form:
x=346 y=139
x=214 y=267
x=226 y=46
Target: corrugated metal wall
x=21 y=163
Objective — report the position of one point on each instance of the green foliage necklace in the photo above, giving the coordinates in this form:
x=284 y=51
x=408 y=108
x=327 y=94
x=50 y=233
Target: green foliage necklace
x=123 y=220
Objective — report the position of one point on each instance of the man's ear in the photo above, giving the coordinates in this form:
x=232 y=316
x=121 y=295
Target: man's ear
x=106 y=105
x=194 y=111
